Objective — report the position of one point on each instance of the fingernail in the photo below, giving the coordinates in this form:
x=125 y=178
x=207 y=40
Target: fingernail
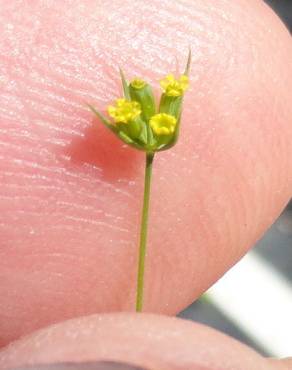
x=100 y=365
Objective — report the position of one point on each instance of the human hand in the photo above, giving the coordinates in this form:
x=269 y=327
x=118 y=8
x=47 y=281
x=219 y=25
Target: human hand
x=71 y=194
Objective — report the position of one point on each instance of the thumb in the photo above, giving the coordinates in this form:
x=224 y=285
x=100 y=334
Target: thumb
x=70 y=195
x=143 y=340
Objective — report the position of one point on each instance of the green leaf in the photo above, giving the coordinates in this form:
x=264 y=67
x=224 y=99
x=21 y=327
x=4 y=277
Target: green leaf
x=151 y=141
x=125 y=137
x=125 y=85
x=143 y=135
x=143 y=130
x=118 y=132
x=102 y=118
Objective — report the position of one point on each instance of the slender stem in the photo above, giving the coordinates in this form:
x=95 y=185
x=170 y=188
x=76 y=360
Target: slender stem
x=143 y=232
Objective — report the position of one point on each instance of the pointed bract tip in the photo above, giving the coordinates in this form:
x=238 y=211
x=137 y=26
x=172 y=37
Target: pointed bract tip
x=189 y=60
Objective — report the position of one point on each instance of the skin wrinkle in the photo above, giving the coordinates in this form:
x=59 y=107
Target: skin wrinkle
x=86 y=366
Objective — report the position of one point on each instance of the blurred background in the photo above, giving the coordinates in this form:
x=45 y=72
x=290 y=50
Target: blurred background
x=253 y=301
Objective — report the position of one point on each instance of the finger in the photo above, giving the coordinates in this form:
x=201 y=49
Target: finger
x=71 y=193
x=144 y=340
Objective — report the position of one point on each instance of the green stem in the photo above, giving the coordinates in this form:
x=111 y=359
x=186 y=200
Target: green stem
x=143 y=232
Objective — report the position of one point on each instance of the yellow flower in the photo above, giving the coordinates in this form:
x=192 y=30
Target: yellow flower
x=173 y=87
x=163 y=124
x=124 y=111
x=137 y=83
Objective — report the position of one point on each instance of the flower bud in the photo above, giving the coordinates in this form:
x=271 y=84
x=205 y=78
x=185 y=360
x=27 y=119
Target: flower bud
x=141 y=92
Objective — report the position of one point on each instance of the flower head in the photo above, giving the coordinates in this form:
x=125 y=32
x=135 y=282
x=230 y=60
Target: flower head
x=141 y=122
x=163 y=124
x=137 y=83
x=174 y=87
x=124 y=111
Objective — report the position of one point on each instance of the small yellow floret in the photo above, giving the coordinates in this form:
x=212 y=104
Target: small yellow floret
x=124 y=111
x=163 y=124
x=174 y=87
x=137 y=83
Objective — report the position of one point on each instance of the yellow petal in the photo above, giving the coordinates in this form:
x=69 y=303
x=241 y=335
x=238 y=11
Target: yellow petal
x=174 y=87
x=137 y=83
x=124 y=111
x=163 y=124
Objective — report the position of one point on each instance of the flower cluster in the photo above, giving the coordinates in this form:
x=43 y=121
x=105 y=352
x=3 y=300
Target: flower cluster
x=138 y=122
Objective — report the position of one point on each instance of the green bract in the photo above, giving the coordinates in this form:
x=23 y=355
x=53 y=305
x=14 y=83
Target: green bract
x=138 y=122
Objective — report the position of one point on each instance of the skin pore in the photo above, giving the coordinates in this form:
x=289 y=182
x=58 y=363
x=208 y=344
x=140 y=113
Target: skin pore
x=70 y=194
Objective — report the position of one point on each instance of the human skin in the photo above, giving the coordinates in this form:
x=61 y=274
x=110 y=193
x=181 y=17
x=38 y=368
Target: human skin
x=70 y=194
x=152 y=341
